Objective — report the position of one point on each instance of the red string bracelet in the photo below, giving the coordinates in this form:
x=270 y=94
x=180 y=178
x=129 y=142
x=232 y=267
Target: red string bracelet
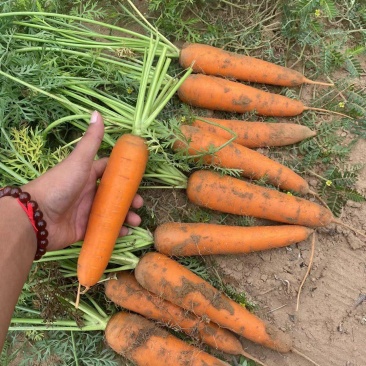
x=34 y=214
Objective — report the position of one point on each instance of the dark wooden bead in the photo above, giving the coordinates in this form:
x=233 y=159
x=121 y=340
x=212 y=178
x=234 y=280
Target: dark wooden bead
x=34 y=204
x=38 y=256
x=37 y=215
x=15 y=192
x=41 y=224
x=41 y=251
x=42 y=243
x=7 y=191
x=24 y=197
x=42 y=234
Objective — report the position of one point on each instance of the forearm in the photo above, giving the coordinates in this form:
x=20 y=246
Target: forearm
x=17 y=249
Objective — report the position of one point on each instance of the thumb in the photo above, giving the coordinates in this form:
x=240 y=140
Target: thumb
x=88 y=146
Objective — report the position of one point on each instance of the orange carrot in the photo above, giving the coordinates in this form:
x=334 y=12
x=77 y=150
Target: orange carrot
x=118 y=186
x=252 y=164
x=172 y=281
x=231 y=195
x=125 y=169
x=144 y=343
x=126 y=292
x=186 y=239
x=256 y=134
x=216 y=93
x=210 y=60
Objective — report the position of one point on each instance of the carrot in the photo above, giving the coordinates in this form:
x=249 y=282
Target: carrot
x=216 y=93
x=145 y=344
x=210 y=60
x=124 y=170
x=231 y=195
x=256 y=134
x=118 y=186
x=172 y=281
x=187 y=239
x=126 y=292
x=231 y=155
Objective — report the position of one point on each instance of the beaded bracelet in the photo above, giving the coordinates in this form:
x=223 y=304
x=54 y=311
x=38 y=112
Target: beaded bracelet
x=34 y=214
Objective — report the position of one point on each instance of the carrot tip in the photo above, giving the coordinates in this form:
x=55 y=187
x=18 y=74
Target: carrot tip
x=340 y=223
x=248 y=355
x=78 y=297
x=87 y=288
x=315 y=82
x=294 y=350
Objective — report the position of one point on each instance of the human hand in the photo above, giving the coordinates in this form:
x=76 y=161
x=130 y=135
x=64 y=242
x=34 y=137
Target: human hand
x=65 y=193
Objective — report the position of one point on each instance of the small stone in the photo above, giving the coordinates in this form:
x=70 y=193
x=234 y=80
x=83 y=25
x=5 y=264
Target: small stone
x=264 y=278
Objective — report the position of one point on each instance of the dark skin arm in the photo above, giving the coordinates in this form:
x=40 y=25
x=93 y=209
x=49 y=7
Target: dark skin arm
x=64 y=194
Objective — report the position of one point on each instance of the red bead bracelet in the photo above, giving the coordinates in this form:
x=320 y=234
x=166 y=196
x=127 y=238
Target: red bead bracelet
x=34 y=214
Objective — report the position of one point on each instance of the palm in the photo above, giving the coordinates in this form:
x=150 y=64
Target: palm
x=66 y=192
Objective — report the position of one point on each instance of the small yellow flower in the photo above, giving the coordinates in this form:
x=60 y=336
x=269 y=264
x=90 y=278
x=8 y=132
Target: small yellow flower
x=289 y=193
x=183 y=119
x=317 y=13
x=328 y=183
x=341 y=104
x=129 y=90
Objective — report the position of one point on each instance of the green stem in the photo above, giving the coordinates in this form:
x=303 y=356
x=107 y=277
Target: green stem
x=19 y=178
x=149 y=27
x=74 y=349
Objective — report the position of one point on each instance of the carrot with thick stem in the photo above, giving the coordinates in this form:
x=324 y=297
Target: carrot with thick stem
x=172 y=281
x=144 y=343
x=216 y=150
x=211 y=60
x=126 y=292
x=124 y=172
x=255 y=134
x=231 y=195
x=216 y=93
x=187 y=239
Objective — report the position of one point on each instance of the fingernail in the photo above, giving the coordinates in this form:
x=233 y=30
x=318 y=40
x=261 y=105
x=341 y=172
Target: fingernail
x=94 y=117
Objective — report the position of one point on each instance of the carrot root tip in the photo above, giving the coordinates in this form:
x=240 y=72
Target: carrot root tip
x=294 y=350
x=248 y=355
x=315 y=82
x=339 y=222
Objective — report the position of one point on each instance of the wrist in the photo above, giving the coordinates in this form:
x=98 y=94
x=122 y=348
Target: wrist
x=32 y=212
x=16 y=229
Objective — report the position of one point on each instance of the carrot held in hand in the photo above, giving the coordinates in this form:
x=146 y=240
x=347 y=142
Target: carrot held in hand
x=117 y=188
x=174 y=282
x=126 y=292
x=211 y=60
x=187 y=239
x=144 y=343
x=200 y=144
x=124 y=172
x=255 y=134
x=216 y=93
